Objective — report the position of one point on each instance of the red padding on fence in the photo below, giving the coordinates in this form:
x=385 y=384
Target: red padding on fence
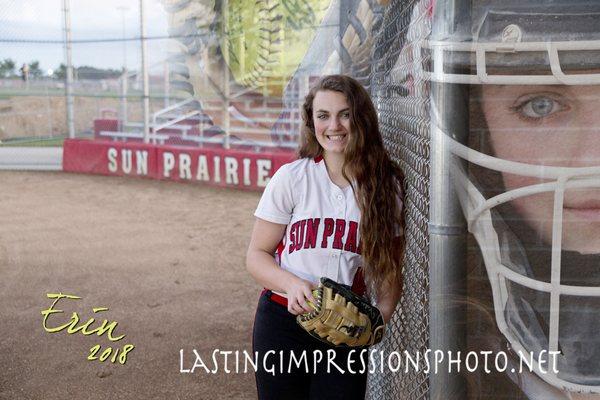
x=220 y=167
x=104 y=125
x=110 y=158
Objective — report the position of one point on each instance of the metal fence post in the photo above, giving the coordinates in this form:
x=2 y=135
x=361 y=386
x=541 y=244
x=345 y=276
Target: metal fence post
x=69 y=72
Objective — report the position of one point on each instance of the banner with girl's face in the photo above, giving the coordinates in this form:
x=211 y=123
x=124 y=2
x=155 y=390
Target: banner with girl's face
x=527 y=178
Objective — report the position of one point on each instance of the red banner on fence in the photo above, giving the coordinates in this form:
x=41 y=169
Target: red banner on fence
x=220 y=167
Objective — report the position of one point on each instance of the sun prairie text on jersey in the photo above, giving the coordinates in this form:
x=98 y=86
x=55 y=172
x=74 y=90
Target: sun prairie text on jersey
x=305 y=234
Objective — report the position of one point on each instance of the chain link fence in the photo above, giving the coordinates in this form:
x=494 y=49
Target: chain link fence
x=106 y=66
x=402 y=100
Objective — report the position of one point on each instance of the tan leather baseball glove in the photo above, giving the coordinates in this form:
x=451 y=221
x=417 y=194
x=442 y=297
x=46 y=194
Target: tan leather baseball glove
x=341 y=317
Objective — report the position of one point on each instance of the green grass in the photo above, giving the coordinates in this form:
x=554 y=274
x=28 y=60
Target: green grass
x=34 y=142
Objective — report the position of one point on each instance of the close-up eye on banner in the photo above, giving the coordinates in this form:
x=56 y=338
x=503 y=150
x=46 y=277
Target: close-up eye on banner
x=300 y=199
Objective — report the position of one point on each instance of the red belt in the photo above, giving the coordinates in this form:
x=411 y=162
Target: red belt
x=275 y=297
x=356 y=288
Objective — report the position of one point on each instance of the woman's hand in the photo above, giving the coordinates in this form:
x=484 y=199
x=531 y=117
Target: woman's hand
x=387 y=311
x=298 y=292
x=390 y=292
x=389 y=295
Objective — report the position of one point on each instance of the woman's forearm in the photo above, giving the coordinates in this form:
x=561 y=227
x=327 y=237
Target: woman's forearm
x=387 y=300
x=267 y=272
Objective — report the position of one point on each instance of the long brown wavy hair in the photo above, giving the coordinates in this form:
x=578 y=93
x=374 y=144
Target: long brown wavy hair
x=379 y=182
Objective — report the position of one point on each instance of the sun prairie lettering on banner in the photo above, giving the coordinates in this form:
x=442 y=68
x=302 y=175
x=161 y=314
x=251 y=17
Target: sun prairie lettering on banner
x=230 y=166
x=73 y=326
x=243 y=169
x=181 y=164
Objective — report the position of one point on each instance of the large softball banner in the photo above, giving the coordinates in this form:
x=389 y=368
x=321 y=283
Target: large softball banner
x=136 y=139
x=123 y=272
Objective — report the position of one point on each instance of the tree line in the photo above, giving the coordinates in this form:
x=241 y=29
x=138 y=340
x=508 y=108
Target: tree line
x=9 y=69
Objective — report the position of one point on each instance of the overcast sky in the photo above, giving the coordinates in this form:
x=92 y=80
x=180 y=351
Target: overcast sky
x=43 y=20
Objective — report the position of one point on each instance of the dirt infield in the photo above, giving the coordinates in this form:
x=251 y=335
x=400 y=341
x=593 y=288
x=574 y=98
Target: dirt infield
x=166 y=258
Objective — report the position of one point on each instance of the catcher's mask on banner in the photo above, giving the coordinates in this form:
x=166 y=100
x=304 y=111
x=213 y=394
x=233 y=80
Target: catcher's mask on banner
x=528 y=177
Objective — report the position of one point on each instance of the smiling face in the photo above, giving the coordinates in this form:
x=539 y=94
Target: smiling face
x=331 y=118
x=551 y=126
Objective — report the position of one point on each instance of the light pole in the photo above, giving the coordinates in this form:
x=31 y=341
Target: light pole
x=69 y=72
x=146 y=98
x=123 y=108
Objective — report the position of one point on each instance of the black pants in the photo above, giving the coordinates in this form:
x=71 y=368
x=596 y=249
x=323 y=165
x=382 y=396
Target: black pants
x=276 y=335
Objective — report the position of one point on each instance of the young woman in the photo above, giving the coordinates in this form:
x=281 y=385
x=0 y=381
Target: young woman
x=333 y=212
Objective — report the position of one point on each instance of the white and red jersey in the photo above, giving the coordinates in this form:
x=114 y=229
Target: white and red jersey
x=322 y=235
